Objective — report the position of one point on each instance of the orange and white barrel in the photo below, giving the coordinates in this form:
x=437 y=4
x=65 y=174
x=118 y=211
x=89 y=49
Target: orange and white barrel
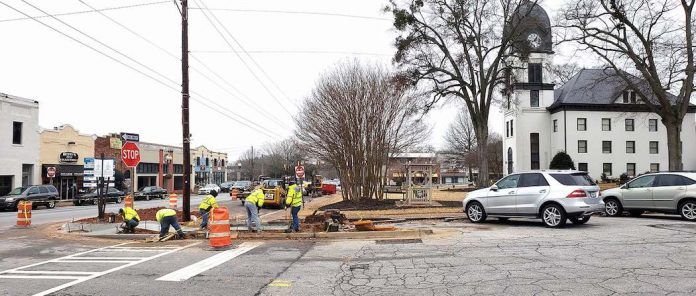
x=24 y=213
x=219 y=228
x=172 y=201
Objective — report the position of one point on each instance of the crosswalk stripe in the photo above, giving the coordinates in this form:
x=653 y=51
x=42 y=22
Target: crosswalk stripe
x=208 y=263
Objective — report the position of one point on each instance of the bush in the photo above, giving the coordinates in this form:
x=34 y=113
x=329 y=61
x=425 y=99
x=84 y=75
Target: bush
x=623 y=179
x=562 y=161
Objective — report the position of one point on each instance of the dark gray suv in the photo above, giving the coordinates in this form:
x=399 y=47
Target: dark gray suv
x=39 y=195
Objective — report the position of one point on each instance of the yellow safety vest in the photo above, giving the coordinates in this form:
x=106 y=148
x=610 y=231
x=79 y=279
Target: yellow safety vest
x=129 y=213
x=256 y=197
x=208 y=203
x=294 y=197
x=164 y=213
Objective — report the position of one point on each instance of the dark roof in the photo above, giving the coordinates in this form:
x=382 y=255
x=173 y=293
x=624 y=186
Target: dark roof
x=529 y=18
x=596 y=87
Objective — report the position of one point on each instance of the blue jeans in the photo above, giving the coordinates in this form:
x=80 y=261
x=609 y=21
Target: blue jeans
x=252 y=216
x=169 y=221
x=131 y=224
x=295 y=219
x=204 y=217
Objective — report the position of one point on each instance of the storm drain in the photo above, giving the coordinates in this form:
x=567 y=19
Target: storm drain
x=358 y=266
x=399 y=241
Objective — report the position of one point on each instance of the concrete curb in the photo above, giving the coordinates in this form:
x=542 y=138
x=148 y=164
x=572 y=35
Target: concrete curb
x=411 y=233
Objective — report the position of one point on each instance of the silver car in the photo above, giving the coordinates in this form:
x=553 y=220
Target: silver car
x=552 y=196
x=668 y=192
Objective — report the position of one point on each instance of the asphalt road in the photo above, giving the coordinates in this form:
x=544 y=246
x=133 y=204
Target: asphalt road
x=649 y=255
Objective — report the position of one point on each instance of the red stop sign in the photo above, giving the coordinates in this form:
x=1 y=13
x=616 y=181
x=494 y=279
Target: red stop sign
x=299 y=171
x=130 y=154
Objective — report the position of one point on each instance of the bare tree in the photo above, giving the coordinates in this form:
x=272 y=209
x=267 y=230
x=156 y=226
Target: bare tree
x=460 y=141
x=649 y=45
x=354 y=118
x=460 y=49
x=562 y=72
x=495 y=155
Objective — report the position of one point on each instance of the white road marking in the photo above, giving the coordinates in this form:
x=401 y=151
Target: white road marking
x=52 y=272
x=208 y=263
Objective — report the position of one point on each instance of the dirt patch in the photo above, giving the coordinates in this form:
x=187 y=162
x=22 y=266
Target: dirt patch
x=385 y=204
x=144 y=214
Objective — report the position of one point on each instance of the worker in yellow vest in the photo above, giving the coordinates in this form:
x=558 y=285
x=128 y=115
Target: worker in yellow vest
x=253 y=203
x=294 y=200
x=166 y=218
x=130 y=219
x=208 y=203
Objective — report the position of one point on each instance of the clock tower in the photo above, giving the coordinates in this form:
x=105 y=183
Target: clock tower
x=526 y=133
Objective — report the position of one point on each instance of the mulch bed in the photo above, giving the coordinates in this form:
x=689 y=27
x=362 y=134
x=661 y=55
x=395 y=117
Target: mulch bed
x=385 y=204
x=145 y=215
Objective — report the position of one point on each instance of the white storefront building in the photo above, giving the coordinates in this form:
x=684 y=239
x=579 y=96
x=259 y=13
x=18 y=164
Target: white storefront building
x=593 y=117
x=19 y=147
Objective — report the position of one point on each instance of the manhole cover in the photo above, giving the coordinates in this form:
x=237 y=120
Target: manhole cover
x=399 y=241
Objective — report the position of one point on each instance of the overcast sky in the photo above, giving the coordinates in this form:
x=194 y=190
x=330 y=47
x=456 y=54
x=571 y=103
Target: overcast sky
x=286 y=54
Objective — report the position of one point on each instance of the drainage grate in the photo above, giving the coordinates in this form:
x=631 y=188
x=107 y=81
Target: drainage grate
x=358 y=266
x=399 y=241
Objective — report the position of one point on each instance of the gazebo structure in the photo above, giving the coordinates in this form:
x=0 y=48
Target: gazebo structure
x=419 y=183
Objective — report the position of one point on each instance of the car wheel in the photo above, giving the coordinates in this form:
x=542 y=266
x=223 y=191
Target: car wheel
x=475 y=212
x=553 y=216
x=612 y=207
x=636 y=213
x=94 y=202
x=51 y=204
x=119 y=200
x=76 y=202
x=580 y=220
x=687 y=209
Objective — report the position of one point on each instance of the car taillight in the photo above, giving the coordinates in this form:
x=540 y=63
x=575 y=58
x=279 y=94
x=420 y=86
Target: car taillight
x=577 y=193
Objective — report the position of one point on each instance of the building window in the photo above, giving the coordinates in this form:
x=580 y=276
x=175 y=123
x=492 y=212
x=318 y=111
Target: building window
x=534 y=148
x=555 y=125
x=606 y=124
x=629 y=96
x=509 y=162
x=582 y=146
x=652 y=125
x=606 y=169
x=16 y=133
x=630 y=146
x=631 y=169
x=535 y=73
x=512 y=134
x=606 y=146
x=508 y=102
x=582 y=166
x=207 y=162
x=654 y=147
x=534 y=98
x=625 y=97
x=654 y=167
x=629 y=125
x=507 y=129
x=582 y=124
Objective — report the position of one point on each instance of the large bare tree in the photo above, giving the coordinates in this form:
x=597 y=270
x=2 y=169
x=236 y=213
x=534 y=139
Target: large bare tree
x=354 y=118
x=460 y=49
x=460 y=141
x=649 y=45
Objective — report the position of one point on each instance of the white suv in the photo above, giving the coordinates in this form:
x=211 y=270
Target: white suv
x=552 y=196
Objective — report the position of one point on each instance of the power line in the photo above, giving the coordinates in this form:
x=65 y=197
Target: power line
x=299 y=12
x=83 y=11
x=297 y=52
x=240 y=57
x=127 y=65
x=167 y=52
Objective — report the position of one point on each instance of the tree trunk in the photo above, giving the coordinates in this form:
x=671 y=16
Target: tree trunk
x=674 y=145
x=481 y=150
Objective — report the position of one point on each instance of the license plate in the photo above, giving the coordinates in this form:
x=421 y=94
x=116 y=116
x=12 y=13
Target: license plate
x=268 y=196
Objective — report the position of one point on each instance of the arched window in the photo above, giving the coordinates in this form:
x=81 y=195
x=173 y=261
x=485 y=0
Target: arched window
x=207 y=162
x=222 y=163
x=509 y=160
x=215 y=162
x=198 y=160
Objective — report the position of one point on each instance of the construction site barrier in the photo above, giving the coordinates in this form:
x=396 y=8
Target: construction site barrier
x=234 y=193
x=129 y=202
x=24 y=213
x=219 y=228
x=172 y=201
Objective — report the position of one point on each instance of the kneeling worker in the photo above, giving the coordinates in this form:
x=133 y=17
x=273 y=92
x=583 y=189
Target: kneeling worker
x=294 y=200
x=166 y=218
x=253 y=203
x=130 y=219
x=208 y=203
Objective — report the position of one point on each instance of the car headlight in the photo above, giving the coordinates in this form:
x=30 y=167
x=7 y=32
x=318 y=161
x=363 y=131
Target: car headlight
x=9 y=199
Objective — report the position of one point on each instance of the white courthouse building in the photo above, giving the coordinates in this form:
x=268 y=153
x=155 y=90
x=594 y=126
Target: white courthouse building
x=19 y=143
x=601 y=124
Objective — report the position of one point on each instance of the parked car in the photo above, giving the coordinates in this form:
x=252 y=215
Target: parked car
x=91 y=197
x=39 y=195
x=207 y=188
x=225 y=187
x=668 y=192
x=243 y=189
x=552 y=196
x=150 y=192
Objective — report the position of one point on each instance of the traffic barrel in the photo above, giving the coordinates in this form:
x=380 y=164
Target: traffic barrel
x=219 y=229
x=129 y=202
x=24 y=213
x=172 y=201
x=234 y=194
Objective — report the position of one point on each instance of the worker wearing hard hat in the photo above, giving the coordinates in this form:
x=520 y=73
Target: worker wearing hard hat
x=208 y=203
x=130 y=219
x=294 y=200
x=253 y=203
x=166 y=218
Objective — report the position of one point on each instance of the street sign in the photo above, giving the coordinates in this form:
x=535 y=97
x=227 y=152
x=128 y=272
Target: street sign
x=299 y=171
x=128 y=137
x=130 y=154
x=50 y=172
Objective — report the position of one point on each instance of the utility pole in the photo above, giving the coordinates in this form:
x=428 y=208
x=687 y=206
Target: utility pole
x=185 y=111
x=252 y=164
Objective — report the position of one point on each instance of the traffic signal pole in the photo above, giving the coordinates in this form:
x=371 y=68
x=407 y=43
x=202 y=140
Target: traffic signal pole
x=185 y=111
